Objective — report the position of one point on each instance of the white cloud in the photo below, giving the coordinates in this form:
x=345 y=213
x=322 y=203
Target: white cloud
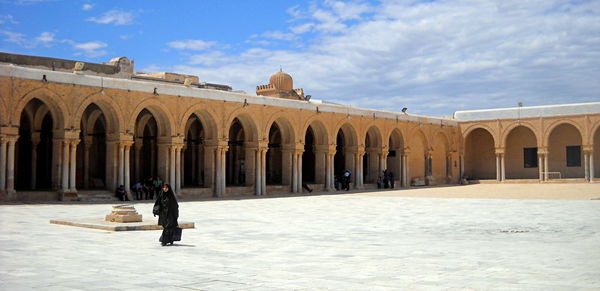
x=92 y=49
x=45 y=37
x=278 y=35
x=8 y=19
x=191 y=44
x=115 y=17
x=14 y=37
x=87 y=7
x=433 y=57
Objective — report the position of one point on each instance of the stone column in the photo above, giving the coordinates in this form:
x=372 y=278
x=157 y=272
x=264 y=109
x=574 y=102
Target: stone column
x=295 y=187
x=497 y=167
x=73 y=166
x=258 y=170
x=359 y=169
x=65 y=166
x=502 y=168
x=10 y=165
x=263 y=165
x=586 y=159
x=35 y=140
x=406 y=167
x=546 y=166
x=172 y=165
x=540 y=167
x=127 y=177
x=405 y=171
x=591 y=167
x=3 y=142
x=216 y=153
x=138 y=159
x=222 y=151
x=300 y=171
x=328 y=184
x=121 y=175
x=178 y=168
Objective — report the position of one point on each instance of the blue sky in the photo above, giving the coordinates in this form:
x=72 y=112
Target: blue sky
x=434 y=57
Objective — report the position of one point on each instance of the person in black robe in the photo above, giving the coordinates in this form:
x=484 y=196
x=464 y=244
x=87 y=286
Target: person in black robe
x=167 y=209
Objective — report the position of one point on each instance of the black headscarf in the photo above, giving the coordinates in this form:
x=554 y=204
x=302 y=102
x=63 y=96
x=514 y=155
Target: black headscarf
x=169 y=208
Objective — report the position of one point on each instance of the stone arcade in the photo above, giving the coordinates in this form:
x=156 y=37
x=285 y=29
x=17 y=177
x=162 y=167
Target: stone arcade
x=68 y=128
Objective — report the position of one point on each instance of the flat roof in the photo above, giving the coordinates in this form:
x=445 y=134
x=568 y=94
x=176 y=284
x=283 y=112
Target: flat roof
x=528 y=112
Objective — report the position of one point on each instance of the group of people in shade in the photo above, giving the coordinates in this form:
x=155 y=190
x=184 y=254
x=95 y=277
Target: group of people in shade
x=384 y=180
x=165 y=206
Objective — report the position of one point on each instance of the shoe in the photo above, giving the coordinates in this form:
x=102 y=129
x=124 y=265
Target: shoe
x=163 y=244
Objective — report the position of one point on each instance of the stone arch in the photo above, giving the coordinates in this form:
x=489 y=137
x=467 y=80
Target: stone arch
x=419 y=160
x=373 y=143
x=320 y=130
x=111 y=110
x=553 y=125
x=479 y=154
x=492 y=132
x=164 y=118
x=251 y=132
x=346 y=141
x=3 y=111
x=349 y=130
x=288 y=133
x=48 y=97
x=514 y=125
x=520 y=150
x=440 y=158
x=565 y=150
x=207 y=117
x=396 y=146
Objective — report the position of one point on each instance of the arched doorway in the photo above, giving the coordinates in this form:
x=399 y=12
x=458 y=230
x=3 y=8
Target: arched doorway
x=419 y=162
x=480 y=156
x=345 y=150
x=91 y=150
x=440 y=164
x=34 y=148
x=394 y=158
x=145 y=150
x=308 y=157
x=371 y=163
x=314 y=159
x=521 y=159
x=193 y=155
x=240 y=158
x=274 y=157
x=565 y=154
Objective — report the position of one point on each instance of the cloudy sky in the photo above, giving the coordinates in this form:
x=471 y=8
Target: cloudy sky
x=434 y=57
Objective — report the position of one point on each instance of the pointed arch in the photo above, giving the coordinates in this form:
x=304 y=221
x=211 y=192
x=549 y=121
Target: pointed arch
x=111 y=110
x=162 y=114
x=514 y=125
x=207 y=117
x=553 y=125
x=48 y=97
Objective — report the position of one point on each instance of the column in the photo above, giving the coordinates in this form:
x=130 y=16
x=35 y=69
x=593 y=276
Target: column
x=121 y=176
x=65 y=166
x=35 y=140
x=502 y=168
x=263 y=165
x=586 y=162
x=295 y=187
x=406 y=170
x=591 y=166
x=217 y=169
x=127 y=177
x=3 y=142
x=10 y=165
x=138 y=158
x=73 y=167
x=177 y=169
x=461 y=161
x=541 y=167
x=299 y=170
x=328 y=184
x=172 y=166
x=546 y=166
x=257 y=172
x=359 y=170
x=498 y=167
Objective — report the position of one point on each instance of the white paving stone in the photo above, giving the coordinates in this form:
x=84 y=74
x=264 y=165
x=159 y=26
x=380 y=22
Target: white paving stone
x=337 y=242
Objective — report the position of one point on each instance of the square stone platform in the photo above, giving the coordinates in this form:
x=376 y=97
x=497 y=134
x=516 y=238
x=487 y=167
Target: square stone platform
x=117 y=226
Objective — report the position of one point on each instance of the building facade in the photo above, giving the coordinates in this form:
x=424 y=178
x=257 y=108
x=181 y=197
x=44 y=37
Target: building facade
x=68 y=127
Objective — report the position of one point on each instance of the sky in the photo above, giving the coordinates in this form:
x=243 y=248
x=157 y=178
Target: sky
x=432 y=57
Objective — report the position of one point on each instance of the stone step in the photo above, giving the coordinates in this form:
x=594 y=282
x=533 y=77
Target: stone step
x=96 y=195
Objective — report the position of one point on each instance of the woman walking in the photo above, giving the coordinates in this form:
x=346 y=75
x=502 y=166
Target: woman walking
x=167 y=209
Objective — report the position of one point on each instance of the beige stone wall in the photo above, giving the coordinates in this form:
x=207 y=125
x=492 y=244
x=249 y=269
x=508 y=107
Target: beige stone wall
x=67 y=104
x=550 y=134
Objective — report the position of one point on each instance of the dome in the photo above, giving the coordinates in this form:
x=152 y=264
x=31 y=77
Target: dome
x=282 y=81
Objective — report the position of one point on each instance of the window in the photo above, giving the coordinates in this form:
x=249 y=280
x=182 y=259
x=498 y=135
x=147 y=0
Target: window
x=573 y=156
x=530 y=157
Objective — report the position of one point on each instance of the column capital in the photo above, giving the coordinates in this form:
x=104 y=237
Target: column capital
x=543 y=151
x=499 y=151
x=587 y=148
x=74 y=142
x=11 y=138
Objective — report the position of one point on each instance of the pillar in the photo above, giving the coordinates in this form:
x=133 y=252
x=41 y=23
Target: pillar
x=137 y=160
x=217 y=169
x=10 y=165
x=127 y=177
x=65 y=166
x=300 y=171
x=328 y=166
x=121 y=165
x=172 y=166
x=73 y=165
x=406 y=168
x=591 y=166
x=257 y=174
x=177 y=169
x=541 y=167
x=586 y=168
x=295 y=187
x=502 y=168
x=3 y=142
x=546 y=166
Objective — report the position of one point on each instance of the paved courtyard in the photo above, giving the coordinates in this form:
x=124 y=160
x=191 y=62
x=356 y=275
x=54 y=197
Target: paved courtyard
x=338 y=242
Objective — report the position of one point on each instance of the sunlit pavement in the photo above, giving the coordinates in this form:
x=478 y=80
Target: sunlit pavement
x=337 y=242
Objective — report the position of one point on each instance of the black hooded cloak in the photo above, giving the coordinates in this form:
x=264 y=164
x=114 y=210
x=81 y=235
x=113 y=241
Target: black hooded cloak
x=168 y=212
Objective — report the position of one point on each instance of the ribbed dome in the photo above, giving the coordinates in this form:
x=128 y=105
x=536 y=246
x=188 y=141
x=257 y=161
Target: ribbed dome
x=282 y=81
